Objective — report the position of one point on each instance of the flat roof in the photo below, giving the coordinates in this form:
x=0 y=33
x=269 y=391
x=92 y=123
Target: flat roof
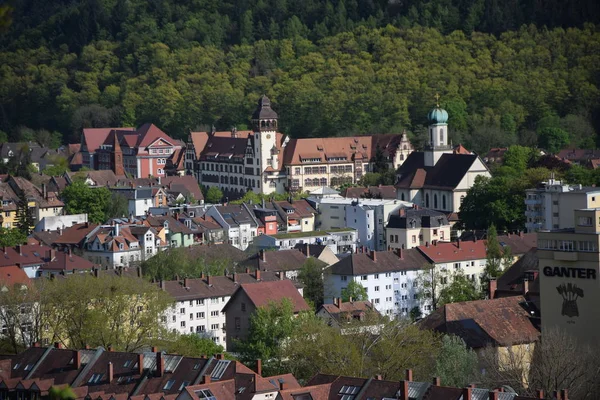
x=310 y=234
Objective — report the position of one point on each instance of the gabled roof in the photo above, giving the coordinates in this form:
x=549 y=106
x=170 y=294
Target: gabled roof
x=519 y=243
x=186 y=185
x=500 y=322
x=12 y=275
x=263 y=293
x=101 y=177
x=447 y=173
x=511 y=280
x=386 y=261
x=149 y=133
x=443 y=252
x=74 y=235
x=417 y=218
x=175 y=226
x=282 y=260
x=94 y=137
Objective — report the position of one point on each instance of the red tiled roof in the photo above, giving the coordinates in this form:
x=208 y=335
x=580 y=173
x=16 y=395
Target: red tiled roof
x=185 y=183
x=348 y=307
x=262 y=293
x=75 y=234
x=460 y=149
x=94 y=137
x=497 y=321
x=149 y=133
x=443 y=252
x=12 y=275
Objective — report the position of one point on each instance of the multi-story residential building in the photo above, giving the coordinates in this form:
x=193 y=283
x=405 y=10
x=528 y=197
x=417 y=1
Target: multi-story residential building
x=199 y=303
x=141 y=199
x=339 y=241
x=114 y=246
x=240 y=225
x=439 y=176
x=339 y=314
x=569 y=271
x=172 y=231
x=39 y=260
x=391 y=279
x=249 y=297
x=266 y=161
x=551 y=205
x=41 y=203
x=141 y=152
x=413 y=227
x=368 y=216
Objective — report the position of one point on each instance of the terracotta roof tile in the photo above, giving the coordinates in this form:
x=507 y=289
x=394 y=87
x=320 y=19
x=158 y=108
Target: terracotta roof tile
x=12 y=275
x=500 y=321
x=262 y=293
x=386 y=261
x=94 y=137
x=74 y=235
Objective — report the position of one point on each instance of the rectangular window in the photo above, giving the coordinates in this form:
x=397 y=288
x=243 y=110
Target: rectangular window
x=414 y=239
x=214 y=327
x=377 y=288
x=585 y=221
x=363 y=278
x=376 y=276
x=199 y=315
x=199 y=302
x=344 y=278
x=237 y=324
x=182 y=311
x=214 y=313
x=376 y=301
x=244 y=307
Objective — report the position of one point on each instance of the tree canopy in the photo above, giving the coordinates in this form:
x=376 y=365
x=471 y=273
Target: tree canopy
x=80 y=198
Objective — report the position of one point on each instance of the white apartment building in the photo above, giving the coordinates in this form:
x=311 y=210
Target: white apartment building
x=390 y=278
x=57 y=222
x=413 y=227
x=342 y=240
x=368 y=216
x=239 y=224
x=199 y=303
x=551 y=205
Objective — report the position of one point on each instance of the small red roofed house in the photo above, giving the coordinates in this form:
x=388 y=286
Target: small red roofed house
x=249 y=297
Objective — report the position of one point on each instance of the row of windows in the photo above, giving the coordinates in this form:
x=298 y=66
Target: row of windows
x=161 y=151
x=568 y=245
x=237 y=169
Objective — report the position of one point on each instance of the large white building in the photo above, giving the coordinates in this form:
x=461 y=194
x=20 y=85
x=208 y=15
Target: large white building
x=551 y=205
x=199 y=303
x=239 y=224
x=266 y=161
x=413 y=227
x=368 y=216
x=440 y=176
x=340 y=240
x=391 y=279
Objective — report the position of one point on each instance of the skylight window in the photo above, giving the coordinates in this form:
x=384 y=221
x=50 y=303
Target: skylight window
x=127 y=363
x=205 y=394
x=95 y=378
x=17 y=365
x=219 y=369
x=348 y=392
x=169 y=384
x=183 y=385
x=28 y=367
x=197 y=366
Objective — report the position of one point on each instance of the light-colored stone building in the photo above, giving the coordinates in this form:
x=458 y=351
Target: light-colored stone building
x=413 y=227
x=551 y=205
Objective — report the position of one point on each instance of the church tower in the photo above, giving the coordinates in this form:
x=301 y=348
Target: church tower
x=264 y=124
x=438 y=142
x=117 y=157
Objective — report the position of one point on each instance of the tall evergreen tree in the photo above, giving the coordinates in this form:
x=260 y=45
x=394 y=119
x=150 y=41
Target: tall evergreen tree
x=24 y=214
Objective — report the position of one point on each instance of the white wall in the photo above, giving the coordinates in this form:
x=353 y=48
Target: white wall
x=61 y=221
x=208 y=306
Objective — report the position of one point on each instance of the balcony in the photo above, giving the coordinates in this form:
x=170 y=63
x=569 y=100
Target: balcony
x=533 y=213
x=533 y=202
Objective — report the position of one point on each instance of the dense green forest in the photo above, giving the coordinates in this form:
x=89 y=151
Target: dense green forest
x=511 y=72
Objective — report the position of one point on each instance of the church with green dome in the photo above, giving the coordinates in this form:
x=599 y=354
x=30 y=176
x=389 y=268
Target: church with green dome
x=439 y=176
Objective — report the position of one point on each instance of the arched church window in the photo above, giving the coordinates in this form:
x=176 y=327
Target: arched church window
x=441 y=136
x=262 y=124
x=435 y=203
x=427 y=200
x=404 y=147
x=443 y=202
x=402 y=156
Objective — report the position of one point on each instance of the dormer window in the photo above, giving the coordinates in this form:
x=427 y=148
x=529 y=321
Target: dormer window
x=120 y=246
x=165 y=224
x=289 y=211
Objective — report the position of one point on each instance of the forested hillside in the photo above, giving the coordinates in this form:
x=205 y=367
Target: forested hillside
x=330 y=67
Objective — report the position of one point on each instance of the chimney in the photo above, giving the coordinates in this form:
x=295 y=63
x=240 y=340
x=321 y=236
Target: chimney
x=350 y=299
x=404 y=390
x=111 y=349
x=20 y=249
x=281 y=275
x=206 y=379
x=525 y=286
x=436 y=381
x=186 y=282
x=219 y=356
x=141 y=363
x=336 y=302
x=521 y=235
x=57 y=345
x=399 y=252
x=556 y=395
x=283 y=385
x=402 y=212
x=409 y=376
x=467 y=393
x=564 y=394
x=77 y=359
x=235 y=277
x=208 y=280
x=494 y=395
x=160 y=364
x=263 y=256
x=539 y=394
x=257 y=274
x=259 y=367
x=109 y=372
x=378 y=377
x=492 y=286
x=458 y=243
x=374 y=255
x=426 y=244
x=247 y=270
x=117 y=229
x=154 y=349
x=44 y=191
x=307 y=250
